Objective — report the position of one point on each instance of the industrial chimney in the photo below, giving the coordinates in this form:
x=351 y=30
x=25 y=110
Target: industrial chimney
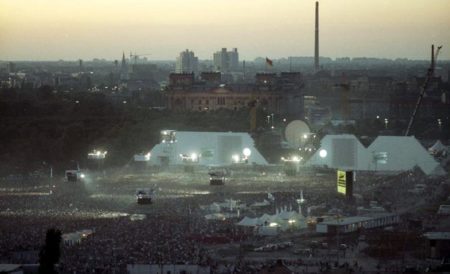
x=316 y=44
x=432 y=59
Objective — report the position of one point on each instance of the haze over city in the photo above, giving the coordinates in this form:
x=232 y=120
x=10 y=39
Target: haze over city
x=224 y=136
x=69 y=30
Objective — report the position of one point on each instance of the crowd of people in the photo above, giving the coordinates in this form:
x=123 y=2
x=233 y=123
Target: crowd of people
x=174 y=230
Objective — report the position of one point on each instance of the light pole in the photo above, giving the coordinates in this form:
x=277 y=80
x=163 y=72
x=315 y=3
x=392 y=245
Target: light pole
x=272 y=120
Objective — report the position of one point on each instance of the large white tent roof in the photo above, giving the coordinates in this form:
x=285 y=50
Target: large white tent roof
x=342 y=151
x=213 y=148
x=404 y=153
x=391 y=154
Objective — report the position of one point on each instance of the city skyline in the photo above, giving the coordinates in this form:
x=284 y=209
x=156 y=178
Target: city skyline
x=53 y=30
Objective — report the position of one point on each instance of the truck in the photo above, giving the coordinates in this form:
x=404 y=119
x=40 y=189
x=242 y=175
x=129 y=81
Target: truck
x=217 y=176
x=144 y=195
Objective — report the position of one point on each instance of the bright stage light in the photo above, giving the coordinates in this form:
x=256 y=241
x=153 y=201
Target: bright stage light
x=235 y=158
x=247 y=152
x=194 y=157
x=323 y=153
x=82 y=176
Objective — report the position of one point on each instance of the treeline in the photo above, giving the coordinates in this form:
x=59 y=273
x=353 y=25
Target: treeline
x=60 y=131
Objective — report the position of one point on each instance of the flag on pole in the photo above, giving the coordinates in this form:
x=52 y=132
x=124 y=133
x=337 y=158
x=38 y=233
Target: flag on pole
x=269 y=62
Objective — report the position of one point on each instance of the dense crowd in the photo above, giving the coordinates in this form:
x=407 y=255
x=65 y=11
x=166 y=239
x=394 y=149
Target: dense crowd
x=174 y=230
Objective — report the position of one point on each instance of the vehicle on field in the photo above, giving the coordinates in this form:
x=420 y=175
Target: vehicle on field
x=144 y=195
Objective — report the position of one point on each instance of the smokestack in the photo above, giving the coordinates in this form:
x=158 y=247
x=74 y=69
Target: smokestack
x=432 y=59
x=316 y=44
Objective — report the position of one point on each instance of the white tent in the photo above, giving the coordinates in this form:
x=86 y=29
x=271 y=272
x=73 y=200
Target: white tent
x=283 y=220
x=260 y=204
x=215 y=207
x=437 y=148
x=402 y=154
x=388 y=154
x=215 y=216
x=340 y=152
x=209 y=148
x=265 y=218
x=247 y=221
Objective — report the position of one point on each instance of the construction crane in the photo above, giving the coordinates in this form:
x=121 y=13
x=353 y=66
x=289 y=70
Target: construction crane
x=428 y=78
x=136 y=56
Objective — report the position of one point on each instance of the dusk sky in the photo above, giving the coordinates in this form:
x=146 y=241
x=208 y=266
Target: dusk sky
x=86 y=29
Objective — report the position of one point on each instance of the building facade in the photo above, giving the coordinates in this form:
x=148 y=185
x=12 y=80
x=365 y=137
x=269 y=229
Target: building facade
x=278 y=94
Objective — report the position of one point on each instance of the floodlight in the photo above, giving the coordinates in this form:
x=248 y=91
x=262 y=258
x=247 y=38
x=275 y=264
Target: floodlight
x=235 y=158
x=194 y=157
x=247 y=152
x=323 y=153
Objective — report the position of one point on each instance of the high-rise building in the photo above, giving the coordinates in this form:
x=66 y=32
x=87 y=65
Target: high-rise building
x=11 y=67
x=233 y=58
x=226 y=61
x=187 y=62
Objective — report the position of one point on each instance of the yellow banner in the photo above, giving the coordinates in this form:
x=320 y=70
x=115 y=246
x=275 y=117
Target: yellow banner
x=341 y=182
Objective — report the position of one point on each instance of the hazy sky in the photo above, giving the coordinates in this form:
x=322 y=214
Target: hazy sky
x=73 y=29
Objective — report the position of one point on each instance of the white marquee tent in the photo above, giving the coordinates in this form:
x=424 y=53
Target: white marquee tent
x=404 y=153
x=283 y=219
x=389 y=154
x=341 y=152
x=437 y=148
x=211 y=148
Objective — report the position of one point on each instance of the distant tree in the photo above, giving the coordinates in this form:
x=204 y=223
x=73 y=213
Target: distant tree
x=45 y=92
x=50 y=252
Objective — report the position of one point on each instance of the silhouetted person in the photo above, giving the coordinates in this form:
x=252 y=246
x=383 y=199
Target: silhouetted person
x=50 y=252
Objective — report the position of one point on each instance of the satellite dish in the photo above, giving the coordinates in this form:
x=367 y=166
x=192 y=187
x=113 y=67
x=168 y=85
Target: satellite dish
x=297 y=132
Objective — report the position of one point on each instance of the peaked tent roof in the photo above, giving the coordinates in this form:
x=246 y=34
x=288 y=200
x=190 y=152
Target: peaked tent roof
x=343 y=151
x=400 y=153
x=437 y=147
x=247 y=221
x=214 y=148
x=404 y=153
